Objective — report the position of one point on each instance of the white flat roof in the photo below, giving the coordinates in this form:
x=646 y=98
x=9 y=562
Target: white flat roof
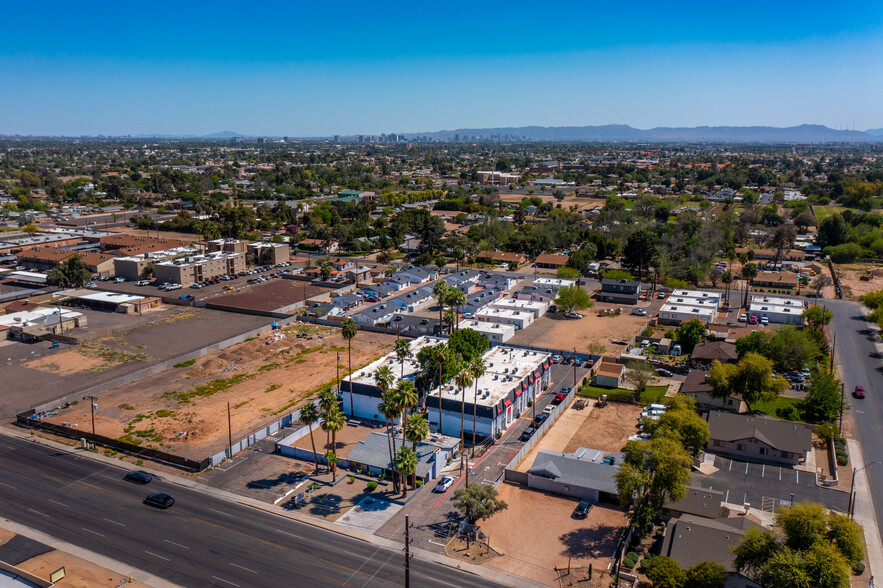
x=761 y=308
x=686 y=309
x=37 y=316
x=365 y=375
x=505 y=368
x=164 y=254
x=197 y=259
x=111 y=297
x=560 y=282
x=777 y=301
x=36 y=277
x=513 y=304
x=486 y=327
x=696 y=294
x=505 y=313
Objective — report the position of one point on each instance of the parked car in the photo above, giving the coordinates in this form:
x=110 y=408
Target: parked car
x=559 y=398
x=752 y=320
x=444 y=484
x=582 y=509
x=573 y=315
x=228 y=287
x=91 y=285
x=142 y=283
x=160 y=499
x=527 y=434
x=557 y=358
x=138 y=477
x=553 y=308
x=664 y=373
x=639 y=311
x=565 y=390
x=372 y=299
x=549 y=409
x=578 y=361
x=660 y=296
x=540 y=419
x=764 y=320
x=468 y=315
x=859 y=392
x=743 y=318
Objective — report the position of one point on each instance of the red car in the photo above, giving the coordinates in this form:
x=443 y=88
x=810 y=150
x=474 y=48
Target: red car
x=372 y=299
x=859 y=392
x=559 y=398
x=752 y=320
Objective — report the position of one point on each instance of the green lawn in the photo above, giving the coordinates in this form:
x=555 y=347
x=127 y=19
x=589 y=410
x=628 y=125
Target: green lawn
x=772 y=406
x=652 y=395
x=823 y=212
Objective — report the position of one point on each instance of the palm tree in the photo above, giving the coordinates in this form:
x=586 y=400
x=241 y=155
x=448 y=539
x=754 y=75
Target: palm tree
x=327 y=402
x=308 y=416
x=476 y=369
x=405 y=463
x=389 y=408
x=331 y=458
x=457 y=300
x=407 y=399
x=403 y=351
x=463 y=380
x=727 y=279
x=333 y=422
x=450 y=318
x=348 y=329
x=439 y=292
x=439 y=355
x=416 y=431
x=749 y=272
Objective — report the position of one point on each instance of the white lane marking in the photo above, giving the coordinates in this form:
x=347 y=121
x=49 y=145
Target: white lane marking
x=243 y=568
x=178 y=544
x=727 y=497
x=8 y=486
x=155 y=555
x=762 y=470
x=60 y=503
x=730 y=467
x=114 y=522
x=435 y=542
x=227 y=581
x=42 y=514
x=289 y=534
x=780 y=474
x=798 y=475
x=226 y=514
x=93 y=532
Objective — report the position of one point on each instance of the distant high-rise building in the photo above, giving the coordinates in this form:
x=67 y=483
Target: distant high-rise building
x=285 y=139
x=261 y=140
x=337 y=138
x=361 y=138
x=457 y=137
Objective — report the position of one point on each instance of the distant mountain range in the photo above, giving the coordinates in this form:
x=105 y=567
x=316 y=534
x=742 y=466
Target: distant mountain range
x=625 y=133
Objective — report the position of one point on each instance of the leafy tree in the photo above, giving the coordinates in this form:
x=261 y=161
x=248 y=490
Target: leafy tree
x=405 y=465
x=756 y=342
x=690 y=334
x=803 y=524
x=685 y=425
x=617 y=274
x=73 y=273
x=791 y=349
x=832 y=231
x=580 y=260
x=478 y=502
x=706 y=574
x=665 y=572
x=784 y=569
x=325 y=270
x=818 y=316
x=567 y=273
x=826 y=566
x=468 y=344
x=30 y=228
x=755 y=549
x=572 y=298
x=640 y=376
x=752 y=377
x=640 y=247
x=846 y=535
x=822 y=401
x=416 y=431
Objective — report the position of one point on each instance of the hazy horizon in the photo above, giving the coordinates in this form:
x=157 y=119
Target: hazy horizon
x=314 y=71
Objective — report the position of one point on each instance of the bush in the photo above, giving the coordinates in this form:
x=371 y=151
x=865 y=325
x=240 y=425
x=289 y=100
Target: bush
x=351 y=479
x=419 y=483
x=858 y=568
x=371 y=486
x=646 y=563
x=840 y=443
x=632 y=556
x=842 y=459
x=788 y=413
x=628 y=563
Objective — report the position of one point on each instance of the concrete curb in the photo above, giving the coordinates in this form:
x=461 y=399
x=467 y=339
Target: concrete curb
x=90 y=556
x=488 y=574
x=865 y=513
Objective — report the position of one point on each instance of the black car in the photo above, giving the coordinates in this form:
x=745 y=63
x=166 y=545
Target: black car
x=582 y=509
x=527 y=434
x=160 y=499
x=139 y=477
x=540 y=419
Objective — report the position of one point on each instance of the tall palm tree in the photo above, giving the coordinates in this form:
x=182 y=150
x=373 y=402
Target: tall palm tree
x=405 y=463
x=308 y=416
x=403 y=351
x=456 y=299
x=439 y=292
x=416 y=431
x=727 y=279
x=333 y=421
x=463 y=380
x=450 y=318
x=327 y=402
x=348 y=329
x=406 y=395
x=331 y=458
x=749 y=272
x=439 y=356
x=389 y=408
x=476 y=369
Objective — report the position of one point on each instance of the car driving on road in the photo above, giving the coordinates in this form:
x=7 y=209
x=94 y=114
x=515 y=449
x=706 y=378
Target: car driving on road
x=160 y=499
x=859 y=392
x=444 y=484
x=139 y=477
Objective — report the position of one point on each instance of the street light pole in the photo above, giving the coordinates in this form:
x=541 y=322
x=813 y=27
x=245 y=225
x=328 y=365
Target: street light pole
x=851 y=507
x=92 y=409
x=841 y=409
x=229 y=431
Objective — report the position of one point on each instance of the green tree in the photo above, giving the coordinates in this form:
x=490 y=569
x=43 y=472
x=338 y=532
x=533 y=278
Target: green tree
x=390 y=410
x=331 y=458
x=784 y=569
x=327 y=403
x=406 y=395
x=826 y=566
x=686 y=426
x=476 y=370
x=333 y=422
x=640 y=375
x=832 y=231
x=468 y=344
x=478 y=502
x=749 y=272
x=440 y=292
x=753 y=552
x=403 y=352
x=791 y=349
x=665 y=572
x=416 y=431
x=456 y=300
x=325 y=270
x=463 y=379
x=567 y=273
x=73 y=273
x=309 y=416
x=818 y=316
x=690 y=334
x=804 y=524
x=572 y=298
x=822 y=401
x=752 y=377
x=405 y=465
x=640 y=247
x=349 y=330
x=706 y=574
x=846 y=535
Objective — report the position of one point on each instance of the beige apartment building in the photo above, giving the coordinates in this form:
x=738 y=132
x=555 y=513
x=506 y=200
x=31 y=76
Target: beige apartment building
x=132 y=267
x=197 y=268
x=264 y=253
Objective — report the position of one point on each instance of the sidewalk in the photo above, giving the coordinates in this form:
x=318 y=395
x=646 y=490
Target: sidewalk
x=865 y=514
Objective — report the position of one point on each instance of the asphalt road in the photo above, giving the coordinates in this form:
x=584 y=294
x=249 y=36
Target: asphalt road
x=856 y=353
x=201 y=541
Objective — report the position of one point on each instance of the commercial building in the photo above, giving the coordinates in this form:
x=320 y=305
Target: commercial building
x=587 y=474
x=543 y=289
x=788 y=311
x=228 y=245
x=537 y=309
x=684 y=305
x=39 y=323
x=620 y=291
x=517 y=318
x=496 y=178
x=197 y=268
x=132 y=267
x=497 y=333
x=512 y=377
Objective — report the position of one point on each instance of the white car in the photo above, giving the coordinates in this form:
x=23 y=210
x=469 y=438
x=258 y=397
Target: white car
x=444 y=484
x=639 y=311
x=743 y=318
x=549 y=409
x=142 y=283
x=556 y=358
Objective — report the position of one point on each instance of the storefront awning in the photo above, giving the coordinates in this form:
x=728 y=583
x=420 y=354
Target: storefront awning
x=518 y=391
x=537 y=375
x=507 y=403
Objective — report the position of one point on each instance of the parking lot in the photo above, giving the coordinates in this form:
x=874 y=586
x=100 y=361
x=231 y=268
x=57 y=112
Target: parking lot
x=767 y=486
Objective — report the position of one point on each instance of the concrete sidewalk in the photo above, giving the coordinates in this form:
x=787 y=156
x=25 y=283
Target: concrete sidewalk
x=865 y=514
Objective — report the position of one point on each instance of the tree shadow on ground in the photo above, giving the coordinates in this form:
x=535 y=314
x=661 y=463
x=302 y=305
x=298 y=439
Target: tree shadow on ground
x=446 y=528
x=326 y=504
x=588 y=542
x=287 y=478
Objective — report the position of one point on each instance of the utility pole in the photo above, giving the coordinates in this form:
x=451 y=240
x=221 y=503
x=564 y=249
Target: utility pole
x=574 y=370
x=229 y=431
x=841 y=408
x=92 y=400
x=833 y=347
x=338 y=376
x=407 y=553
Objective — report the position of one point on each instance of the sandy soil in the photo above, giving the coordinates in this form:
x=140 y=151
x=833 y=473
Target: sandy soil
x=554 y=534
x=66 y=363
x=189 y=237
x=184 y=410
x=853 y=287
x=607 y=429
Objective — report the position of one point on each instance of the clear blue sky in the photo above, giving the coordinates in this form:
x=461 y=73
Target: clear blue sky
x=320 y=68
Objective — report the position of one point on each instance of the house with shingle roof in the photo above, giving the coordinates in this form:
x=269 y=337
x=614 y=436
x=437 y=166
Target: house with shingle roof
x=696 y=386
x=588 y=474
x=758 y=438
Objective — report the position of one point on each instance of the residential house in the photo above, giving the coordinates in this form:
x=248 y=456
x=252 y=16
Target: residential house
x=375 y=315
x=619 y=291
x=697 y=501
x=372 y=455
x=414 y=300
x=758 y=438
x=587 y=474
x=418 y=274
x=513 y=259
x=321 y=246
x=551 y=261
x=784 y=279
x=497 y=333
x=709 y=351
x=696 y=386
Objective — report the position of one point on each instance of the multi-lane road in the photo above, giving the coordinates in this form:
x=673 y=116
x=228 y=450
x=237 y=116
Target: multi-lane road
x=202 y=540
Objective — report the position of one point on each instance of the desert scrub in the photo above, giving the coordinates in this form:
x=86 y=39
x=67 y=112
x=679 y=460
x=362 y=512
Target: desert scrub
x=184 y=364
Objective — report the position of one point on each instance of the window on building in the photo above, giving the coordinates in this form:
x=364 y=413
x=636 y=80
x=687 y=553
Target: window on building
x=764 y=451
x=718 y=443
x=740 y=447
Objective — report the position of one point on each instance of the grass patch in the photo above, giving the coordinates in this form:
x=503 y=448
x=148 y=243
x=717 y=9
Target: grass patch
x=300 y=354
x=773 y=407
x=652 y=395
x=184 y=364
x=250 y=339
x=126 y=407
x=209 y=389
x=272 y=387
x=267 y=367
x=177 y=317
x=243 y=403
x=164 y=413
x=107 y=355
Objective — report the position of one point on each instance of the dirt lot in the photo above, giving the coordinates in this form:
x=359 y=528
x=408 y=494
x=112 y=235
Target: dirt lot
x=853 y=287
x=607 y=429
x=184 y=410
x=553 y=331
x=553 y=534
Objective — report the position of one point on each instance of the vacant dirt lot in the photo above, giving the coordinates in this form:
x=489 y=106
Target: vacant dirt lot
x=184 y=410
x=851 y=282
x=607 y=429
x=537 y=532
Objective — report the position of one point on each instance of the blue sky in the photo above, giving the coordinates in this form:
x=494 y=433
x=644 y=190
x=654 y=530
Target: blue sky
x=320 y=68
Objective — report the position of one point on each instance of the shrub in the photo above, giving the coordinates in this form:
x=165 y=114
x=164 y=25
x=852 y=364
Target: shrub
x=858 y=568
x=842 y=459
x=632 y=556
x=419 y=483
x=371 y=486
x=351 y=479
x=628 y=563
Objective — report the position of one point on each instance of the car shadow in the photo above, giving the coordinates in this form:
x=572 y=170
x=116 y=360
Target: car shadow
x=591 y=542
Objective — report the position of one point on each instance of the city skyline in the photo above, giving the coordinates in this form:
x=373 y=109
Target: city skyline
x=307 y=71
